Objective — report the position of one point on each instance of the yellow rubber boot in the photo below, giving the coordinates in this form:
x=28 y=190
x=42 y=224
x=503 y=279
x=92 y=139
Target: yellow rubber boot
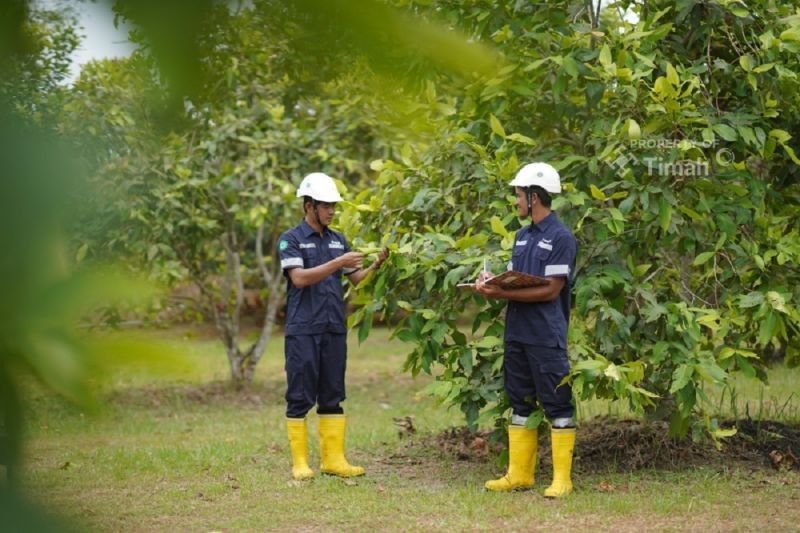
x=563 y=446
x=522 y=444
x=298 y=442
x=331 y=445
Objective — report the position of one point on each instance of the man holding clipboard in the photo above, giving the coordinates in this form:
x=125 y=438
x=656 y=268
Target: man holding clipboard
x=537 y=317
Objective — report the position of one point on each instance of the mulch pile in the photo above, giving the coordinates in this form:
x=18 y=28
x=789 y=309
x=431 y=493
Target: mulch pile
x=627 y=445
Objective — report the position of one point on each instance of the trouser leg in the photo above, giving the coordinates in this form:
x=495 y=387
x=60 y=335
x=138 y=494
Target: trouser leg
x=549 y=366
x=332 y=366
x=302 y=373
x=518 y=379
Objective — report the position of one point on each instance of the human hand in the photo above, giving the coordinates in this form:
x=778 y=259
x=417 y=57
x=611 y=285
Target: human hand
x=483 y=277
x=488 y=291
x=351 y=260
x=382 y=256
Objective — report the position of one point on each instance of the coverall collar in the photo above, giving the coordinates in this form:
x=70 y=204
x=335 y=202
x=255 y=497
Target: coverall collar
x=543 y=224
x=308 y=231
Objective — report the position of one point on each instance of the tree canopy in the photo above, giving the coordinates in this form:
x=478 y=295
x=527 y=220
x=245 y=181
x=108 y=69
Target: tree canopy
x=674 y=137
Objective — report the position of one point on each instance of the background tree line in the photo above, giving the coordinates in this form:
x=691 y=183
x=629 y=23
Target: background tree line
x=683 y=277
x=424 y=110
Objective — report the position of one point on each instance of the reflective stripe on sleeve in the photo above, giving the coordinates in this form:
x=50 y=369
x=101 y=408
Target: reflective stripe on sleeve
x=292 y=262
x=556 y=270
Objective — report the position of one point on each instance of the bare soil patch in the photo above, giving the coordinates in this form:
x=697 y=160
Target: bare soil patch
x=215 y=393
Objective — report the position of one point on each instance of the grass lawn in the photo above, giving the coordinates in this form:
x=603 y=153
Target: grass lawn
x=186 y=453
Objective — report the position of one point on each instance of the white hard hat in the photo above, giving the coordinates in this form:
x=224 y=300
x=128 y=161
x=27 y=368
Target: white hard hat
x=541 y=174
x=320 y=187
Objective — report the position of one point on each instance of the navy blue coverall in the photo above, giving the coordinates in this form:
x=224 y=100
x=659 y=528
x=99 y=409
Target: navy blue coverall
x=316 y=332
x=535 y=358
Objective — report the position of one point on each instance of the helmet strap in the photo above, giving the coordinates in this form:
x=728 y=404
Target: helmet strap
x=529 y=196
x=316 y=213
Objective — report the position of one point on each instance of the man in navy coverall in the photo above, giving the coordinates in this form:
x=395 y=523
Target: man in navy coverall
x=313 y=258
x=537 y=319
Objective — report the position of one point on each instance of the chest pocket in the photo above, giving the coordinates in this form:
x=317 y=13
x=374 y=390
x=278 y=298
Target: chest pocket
x=310 y=257
x=541 y=254
x=517 y=259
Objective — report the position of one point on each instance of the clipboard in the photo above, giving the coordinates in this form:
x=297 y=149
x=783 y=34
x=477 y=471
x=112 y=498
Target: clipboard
x=512 y=279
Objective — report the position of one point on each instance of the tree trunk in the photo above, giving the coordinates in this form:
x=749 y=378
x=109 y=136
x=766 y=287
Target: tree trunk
x=273 y=279
x=243 y=364
x=242 y=367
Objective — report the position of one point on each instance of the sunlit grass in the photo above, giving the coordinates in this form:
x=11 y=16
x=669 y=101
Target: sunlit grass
x=186 y=453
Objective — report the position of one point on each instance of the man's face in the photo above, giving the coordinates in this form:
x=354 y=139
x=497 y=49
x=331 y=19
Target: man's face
x=326 y=212
x=522 y=202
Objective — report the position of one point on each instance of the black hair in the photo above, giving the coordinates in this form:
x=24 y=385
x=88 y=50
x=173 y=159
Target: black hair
x=543 y=195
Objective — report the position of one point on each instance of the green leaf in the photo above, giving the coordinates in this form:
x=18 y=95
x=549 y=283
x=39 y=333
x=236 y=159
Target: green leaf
x=726 y=353
x=521 y=139
x=616 y=214
x=664 y=214
x=498 y=228
x=81 y=255
x=681 y=377
x=641 y=270
x=612 y=371
x=571 y=66
x=691 y=213
x=725 y=131
x=672 y=75
x=489 y=342
x=777 y=301
x=597 y=194
x=747 y=135
x=678 y=424
x=497 y=128
x=745 y=366
x=703 y=258
x=791 y=35
x=406 y=335
x=790 y=152
x=590 y=364
x=430 y=280
x=723 y=433
x=781 y=136
x=634 y=131
x=152 y=252
x=62 y=365
x=605 y=56
x=751 y=300
x=767 y=330
x=535 y=419
x=471 y=241
x=711 y=372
